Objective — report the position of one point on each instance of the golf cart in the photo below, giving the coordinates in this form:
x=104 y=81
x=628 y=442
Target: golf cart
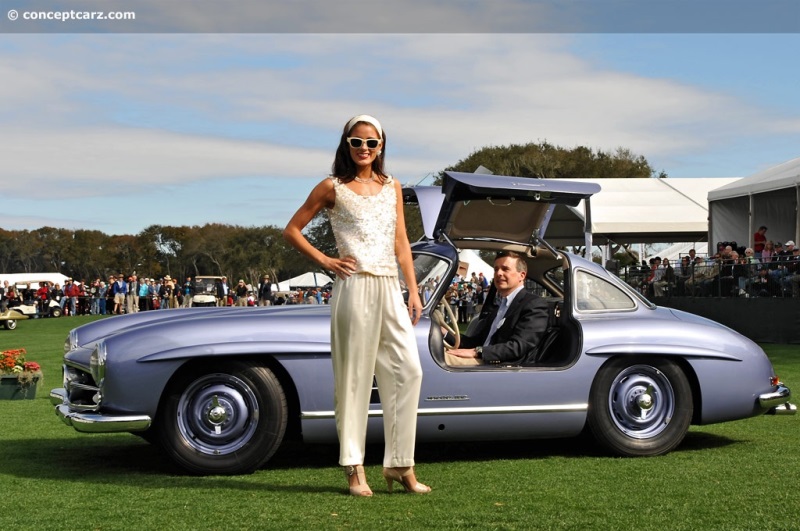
x=30 y=307
x=9 y=318
x=205 y=291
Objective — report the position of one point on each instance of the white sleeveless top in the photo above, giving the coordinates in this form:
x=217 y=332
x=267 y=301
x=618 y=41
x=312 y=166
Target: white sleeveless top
x=365 y=226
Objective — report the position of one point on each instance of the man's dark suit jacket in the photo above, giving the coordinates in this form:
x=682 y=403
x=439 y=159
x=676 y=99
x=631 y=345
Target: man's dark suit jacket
x=523 y=327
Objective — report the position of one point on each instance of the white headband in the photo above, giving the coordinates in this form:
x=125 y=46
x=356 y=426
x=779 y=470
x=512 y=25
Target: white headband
x=368 y=119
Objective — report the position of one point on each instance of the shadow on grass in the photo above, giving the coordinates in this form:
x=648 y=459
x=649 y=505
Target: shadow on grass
x=583 y=446
x=123 y=459
x=704 y=441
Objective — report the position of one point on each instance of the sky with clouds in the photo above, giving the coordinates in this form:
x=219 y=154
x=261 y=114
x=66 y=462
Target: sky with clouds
x=119 y=131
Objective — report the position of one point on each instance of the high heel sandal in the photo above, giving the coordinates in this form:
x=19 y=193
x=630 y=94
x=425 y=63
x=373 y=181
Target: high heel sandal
x=361 y=488
x=405 y=479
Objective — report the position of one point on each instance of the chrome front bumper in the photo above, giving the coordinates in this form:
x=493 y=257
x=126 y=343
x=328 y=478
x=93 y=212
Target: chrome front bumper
x=777 y=402
x=95 y=422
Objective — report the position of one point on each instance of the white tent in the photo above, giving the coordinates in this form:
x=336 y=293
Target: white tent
x=639 y=211
x=768 y=198
x=306 y=280
x=677 y=250
x=33 y=278
x=475 y=264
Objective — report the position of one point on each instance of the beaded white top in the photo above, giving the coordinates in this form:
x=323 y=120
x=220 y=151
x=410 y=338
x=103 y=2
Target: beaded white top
x=364 y=228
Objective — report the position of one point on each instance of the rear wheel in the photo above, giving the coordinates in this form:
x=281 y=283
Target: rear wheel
x=55 y=311
x=228 y=418
x=10 y=324
x=640 y=406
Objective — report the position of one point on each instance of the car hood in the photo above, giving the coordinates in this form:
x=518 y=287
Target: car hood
x=303 y=328
x=471 y=206
x=103 y=328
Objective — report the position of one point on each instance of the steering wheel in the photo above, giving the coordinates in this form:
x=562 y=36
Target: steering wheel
x=444 y=310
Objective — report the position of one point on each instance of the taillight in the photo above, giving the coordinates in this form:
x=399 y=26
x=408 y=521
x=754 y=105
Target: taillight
x=774 y=381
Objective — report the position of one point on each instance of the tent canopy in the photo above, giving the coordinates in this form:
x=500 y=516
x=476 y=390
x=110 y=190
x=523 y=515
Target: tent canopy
x=34 y=278
x=475 y=264
x=780 y=177
x=639 y=211
x=768 y=198
x=676 y=251
x=306 y=280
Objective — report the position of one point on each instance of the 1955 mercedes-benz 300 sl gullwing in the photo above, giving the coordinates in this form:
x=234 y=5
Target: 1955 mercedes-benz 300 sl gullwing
x=220 y=388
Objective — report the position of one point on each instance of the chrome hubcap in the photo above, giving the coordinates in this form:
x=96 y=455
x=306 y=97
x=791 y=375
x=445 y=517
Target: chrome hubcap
x=218 y=414
x=641 y=401
x=645 y=400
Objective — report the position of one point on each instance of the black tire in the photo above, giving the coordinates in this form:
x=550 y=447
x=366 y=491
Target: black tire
x=10 y=324
x=224 y=419
x=55 y=312
x=640 y=406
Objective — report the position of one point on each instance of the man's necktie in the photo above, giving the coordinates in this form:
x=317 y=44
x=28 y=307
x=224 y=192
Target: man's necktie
x=498 y=319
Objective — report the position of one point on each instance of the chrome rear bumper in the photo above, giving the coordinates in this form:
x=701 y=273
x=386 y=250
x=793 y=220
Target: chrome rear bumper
x=777 y=402
x=95 y=422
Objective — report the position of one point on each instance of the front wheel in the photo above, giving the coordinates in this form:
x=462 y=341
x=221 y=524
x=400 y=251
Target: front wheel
x=640 y=406
x=10 y=324
x=228 y=418
x=55 y=311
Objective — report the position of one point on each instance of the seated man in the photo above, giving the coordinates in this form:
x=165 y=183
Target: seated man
x=710 y=283
x=513 y=328
x=696 y=276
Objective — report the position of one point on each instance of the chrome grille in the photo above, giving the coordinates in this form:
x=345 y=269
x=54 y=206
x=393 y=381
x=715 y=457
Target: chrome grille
x=81 y=389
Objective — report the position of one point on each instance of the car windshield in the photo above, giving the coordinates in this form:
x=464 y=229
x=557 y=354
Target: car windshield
x=204 y=285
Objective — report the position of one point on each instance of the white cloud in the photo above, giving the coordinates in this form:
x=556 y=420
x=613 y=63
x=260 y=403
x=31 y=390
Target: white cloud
x=119 y=155
x=138 y=110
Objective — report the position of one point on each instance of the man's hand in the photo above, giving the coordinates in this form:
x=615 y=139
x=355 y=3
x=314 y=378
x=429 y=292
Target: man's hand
x=464 y=352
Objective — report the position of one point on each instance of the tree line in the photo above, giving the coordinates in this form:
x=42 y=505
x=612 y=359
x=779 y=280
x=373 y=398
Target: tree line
x=546 y=161
x=250 y=252
x=157 y=251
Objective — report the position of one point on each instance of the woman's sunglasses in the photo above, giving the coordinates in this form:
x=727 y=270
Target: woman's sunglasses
x=355 y=142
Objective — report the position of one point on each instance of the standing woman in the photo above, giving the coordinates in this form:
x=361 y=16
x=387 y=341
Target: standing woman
x=371 y=328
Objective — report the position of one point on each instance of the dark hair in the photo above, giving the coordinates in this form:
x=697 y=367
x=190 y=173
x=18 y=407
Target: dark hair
x=522 y=265
x=343 y=165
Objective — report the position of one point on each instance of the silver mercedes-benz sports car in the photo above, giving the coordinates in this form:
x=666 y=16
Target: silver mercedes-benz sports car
x=220 y=388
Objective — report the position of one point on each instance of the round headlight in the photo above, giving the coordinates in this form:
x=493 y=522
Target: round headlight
x=97 y=363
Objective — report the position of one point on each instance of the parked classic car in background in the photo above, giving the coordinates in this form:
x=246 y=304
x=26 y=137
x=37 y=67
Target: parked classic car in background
x=218 y=388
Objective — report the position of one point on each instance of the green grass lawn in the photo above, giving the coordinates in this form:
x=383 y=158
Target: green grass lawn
x=738 y=475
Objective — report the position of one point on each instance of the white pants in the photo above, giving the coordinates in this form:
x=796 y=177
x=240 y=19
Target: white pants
x=371 y=333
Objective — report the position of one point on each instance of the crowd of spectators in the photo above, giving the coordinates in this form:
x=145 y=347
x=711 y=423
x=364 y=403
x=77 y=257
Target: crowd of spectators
x=769 y=269
x=465 y=296
x=116 y=295
x=120 y=294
